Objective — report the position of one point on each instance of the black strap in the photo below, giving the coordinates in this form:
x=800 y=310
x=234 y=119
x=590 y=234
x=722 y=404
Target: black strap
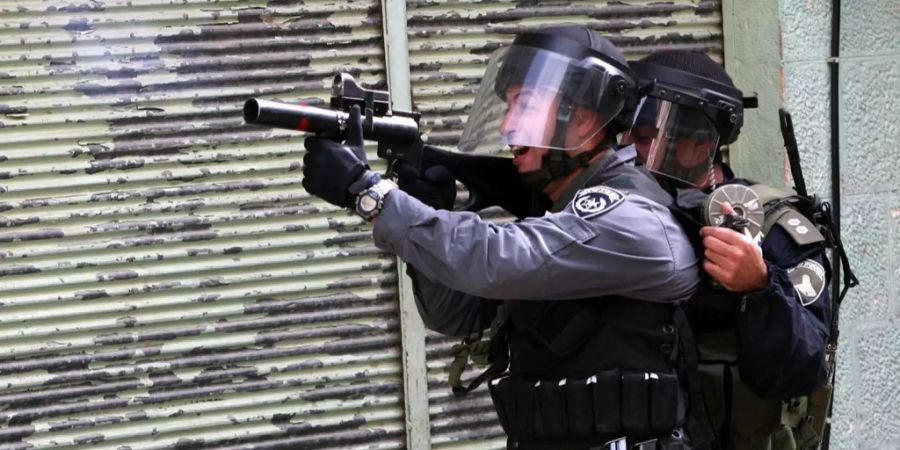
x=698 y=427
x=850 y=279
x=498 y=353
x=558 y=164
x=499 y=361
x=728 y=387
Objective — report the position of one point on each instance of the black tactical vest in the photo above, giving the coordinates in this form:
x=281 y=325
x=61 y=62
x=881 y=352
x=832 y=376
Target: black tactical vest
x=587 y=371
x=576 y=338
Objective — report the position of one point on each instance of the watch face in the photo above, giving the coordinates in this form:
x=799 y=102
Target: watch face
x=367 y=204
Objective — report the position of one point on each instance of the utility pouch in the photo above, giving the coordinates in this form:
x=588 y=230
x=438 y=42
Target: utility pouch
x=610 y=402
x=503 y=395
x=579 y=407
x=650 y=402
x=551 y=410
x=818 y=408
x=607 y=401
x=664 y=405
x=526 y=408
x=636 y=402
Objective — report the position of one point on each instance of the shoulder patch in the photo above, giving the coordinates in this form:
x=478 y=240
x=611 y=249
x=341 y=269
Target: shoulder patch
x=808 y=279
x=801 y=229
x=596 y=200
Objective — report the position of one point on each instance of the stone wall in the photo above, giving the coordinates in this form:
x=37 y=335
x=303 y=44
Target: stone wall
x=867 y=414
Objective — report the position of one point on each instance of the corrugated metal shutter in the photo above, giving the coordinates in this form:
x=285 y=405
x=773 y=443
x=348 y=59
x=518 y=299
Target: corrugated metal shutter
x=165 y=280
x=450 y=42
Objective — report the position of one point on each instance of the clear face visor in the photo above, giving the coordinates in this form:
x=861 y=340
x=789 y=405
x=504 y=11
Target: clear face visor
x=675 y=141
x=535 y=98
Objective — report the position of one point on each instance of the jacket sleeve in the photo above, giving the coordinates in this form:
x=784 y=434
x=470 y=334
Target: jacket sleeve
x=782 y=330
x=450 y=312
x=634 y=249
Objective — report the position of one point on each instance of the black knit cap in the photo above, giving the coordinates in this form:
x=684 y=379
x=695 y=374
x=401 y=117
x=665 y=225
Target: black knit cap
x=696 y=63
x=690 y=61
x=586 y=37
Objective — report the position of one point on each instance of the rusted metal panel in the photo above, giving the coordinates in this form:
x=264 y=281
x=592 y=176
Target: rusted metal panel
x=450 y=42
x=164 y=279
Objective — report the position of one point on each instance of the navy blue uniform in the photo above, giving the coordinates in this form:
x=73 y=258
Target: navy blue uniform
x=781 y=331
x=759 y=348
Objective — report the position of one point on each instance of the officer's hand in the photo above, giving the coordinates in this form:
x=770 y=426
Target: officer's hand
x=330 y=168
x=734 y=259
x=436 y=187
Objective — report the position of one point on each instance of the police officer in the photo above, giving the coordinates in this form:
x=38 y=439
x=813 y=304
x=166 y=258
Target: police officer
x=764 y=306
x=588 y=348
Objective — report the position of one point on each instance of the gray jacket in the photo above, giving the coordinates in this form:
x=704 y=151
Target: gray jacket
x=599 y=241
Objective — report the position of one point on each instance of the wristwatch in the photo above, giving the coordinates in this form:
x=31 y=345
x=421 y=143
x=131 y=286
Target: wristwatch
x=370 y=202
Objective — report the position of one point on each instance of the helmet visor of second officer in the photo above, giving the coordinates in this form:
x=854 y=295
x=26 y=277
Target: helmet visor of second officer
x=675 y=141
x=532 y=97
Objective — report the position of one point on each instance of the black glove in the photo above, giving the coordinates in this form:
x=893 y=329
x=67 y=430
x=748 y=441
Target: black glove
x=330 y=168
x=436 y=187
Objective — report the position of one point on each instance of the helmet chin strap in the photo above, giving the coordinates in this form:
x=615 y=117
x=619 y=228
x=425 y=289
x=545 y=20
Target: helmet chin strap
x=557 y=164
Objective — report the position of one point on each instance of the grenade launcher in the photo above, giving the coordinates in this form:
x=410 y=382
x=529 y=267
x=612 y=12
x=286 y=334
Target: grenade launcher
x=491 y=181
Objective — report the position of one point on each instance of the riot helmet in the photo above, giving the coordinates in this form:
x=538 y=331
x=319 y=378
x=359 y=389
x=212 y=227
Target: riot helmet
x=689 y=108
x=558 y=89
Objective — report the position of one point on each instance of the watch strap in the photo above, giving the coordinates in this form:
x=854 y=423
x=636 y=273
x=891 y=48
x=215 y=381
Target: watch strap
x=377 y=193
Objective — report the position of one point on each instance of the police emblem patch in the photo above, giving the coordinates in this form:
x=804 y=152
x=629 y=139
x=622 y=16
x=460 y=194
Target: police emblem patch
x=808 y=278
x=597 y=200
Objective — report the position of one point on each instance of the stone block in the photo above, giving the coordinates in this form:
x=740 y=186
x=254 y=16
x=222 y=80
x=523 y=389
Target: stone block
x=869 y=27
x=870 y=131
x=866 y=236
x=894 y=251
x=879 y=392
x=807 y=100
x=845 y=392
x=805 y=30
